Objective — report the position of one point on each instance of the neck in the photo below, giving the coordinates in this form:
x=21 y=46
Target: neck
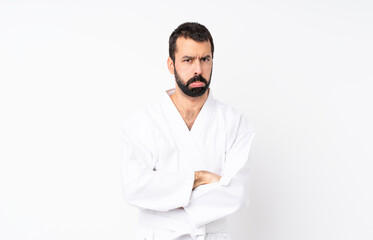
x=186 y=103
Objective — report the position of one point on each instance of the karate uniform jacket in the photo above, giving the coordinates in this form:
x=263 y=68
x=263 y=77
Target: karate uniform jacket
x=161 y=156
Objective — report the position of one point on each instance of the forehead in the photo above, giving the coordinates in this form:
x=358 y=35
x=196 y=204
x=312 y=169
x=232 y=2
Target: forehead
x=187 y=46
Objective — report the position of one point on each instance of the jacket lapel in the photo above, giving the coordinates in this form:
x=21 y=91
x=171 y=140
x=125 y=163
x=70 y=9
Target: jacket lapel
x=188 y=149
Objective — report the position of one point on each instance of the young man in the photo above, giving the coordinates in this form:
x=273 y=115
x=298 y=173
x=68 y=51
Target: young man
x=185 y=158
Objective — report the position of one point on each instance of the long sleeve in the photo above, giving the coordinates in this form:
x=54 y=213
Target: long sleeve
x=147 y=188
x=214 y=201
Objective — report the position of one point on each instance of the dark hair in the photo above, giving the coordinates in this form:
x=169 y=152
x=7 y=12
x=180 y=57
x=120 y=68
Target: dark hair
x=191 y=30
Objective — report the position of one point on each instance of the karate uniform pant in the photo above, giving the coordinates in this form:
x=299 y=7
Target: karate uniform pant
x=145 y=232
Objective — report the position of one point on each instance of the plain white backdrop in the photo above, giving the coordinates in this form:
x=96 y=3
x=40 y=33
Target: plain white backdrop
x=72 y=71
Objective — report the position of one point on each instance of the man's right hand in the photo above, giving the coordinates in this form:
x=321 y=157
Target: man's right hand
x=205 y=177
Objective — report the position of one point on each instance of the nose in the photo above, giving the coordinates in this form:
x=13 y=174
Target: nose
x=197 y=67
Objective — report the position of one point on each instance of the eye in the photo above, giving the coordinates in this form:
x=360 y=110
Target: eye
x=186 y=60
x=205 y=59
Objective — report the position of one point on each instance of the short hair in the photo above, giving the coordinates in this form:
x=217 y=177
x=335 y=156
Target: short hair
x=191 y=30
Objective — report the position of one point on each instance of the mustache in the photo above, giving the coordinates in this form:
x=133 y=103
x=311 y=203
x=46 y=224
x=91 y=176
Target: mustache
x=196 y=78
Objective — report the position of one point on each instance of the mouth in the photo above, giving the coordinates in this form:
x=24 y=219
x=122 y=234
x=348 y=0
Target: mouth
x=197 y=84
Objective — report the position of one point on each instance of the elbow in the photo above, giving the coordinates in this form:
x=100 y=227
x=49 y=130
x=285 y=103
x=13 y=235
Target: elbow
x=131 y=192
x=133 y=198
x=128 y=195
x=139 y=198
x=240 y=198
x=242 y=202
x=237 y=205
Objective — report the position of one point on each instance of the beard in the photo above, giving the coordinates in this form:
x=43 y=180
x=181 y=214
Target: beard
x=196 y=91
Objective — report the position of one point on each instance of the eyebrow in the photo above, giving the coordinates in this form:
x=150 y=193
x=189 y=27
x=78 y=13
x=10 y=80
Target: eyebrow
x=190 y=57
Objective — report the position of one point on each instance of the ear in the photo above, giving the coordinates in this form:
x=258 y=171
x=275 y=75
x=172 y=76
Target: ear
x=170 y=65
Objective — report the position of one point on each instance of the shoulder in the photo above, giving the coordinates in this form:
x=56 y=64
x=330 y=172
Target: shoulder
x=234 y=119
x=236 y=126
x=143 y=122
x=141 y=115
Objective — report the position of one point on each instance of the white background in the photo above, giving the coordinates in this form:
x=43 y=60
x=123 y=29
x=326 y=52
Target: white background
x=72 y=71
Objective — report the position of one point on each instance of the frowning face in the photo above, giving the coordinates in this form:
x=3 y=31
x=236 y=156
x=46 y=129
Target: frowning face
x=192 y=66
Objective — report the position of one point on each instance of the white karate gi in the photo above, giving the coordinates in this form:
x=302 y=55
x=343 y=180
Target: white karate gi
x=161 y=156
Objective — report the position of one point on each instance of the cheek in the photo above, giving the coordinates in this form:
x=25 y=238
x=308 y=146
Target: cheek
x=207 y=70
x=185 y=71
x=187 y=68
x=207 y=67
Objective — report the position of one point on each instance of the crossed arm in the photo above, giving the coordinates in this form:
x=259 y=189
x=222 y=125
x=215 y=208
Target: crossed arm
x=167 y=190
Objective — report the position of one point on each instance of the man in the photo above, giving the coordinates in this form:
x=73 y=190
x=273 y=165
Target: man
x=185 y=158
